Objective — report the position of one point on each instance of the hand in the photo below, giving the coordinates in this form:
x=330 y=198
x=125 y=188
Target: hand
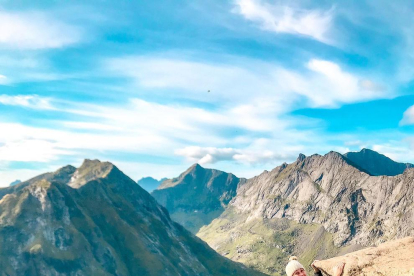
x=314 y=267
x=338 y=269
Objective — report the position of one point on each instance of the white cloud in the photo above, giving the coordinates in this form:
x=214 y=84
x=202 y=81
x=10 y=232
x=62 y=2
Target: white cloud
x=29 y=150
x=207 y=155
x=211 y=155
x=29 y=101
x=35 y=30
x=284 y=19
x=408 y=117
x=3 y=80
x=323 y=84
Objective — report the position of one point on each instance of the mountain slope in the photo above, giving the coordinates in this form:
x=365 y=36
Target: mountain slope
x=149 y=183
x=96 y=221
x=197 y=196
x=316 y=207
x=377 y=164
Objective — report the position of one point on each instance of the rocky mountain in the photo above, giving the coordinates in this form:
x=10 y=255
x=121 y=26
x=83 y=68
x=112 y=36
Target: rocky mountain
x=149 y=183
x=377 y=164
x=197 y=196
x=95 y=220
x=394 y=258
x=315 y=208
x=15 y=182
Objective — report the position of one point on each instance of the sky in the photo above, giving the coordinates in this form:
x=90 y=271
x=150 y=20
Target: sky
x=241 y=86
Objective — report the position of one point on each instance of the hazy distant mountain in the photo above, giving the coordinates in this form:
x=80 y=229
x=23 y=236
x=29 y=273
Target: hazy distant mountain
x=316 y=207
x=149 y=183
x=197 y=196
x=15 y=182
x=95 y=220
x=377 y=164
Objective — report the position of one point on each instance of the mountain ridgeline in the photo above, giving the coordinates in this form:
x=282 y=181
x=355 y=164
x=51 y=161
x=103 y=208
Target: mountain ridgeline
x=197 y=196
x=95 y=220
x=316 y=207
x=377 y=164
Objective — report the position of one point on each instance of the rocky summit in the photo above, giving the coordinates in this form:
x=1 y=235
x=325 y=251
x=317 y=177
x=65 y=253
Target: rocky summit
x=316 y=207
x=95 y=220
x=197 y=196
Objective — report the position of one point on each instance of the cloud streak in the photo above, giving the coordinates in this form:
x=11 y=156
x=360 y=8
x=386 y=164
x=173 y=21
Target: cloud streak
x=28 y=101
x=315 y=24
x=35 y=30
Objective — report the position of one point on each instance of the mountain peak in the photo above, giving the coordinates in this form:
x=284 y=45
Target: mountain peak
x=301 y=157
x=195 y=167
x=90 y=170
x=376 y=163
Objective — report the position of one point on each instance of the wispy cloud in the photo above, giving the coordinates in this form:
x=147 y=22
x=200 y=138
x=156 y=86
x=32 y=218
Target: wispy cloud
x=322 y=83
x=408 y=117
x=35 y=30
x=28 y=101
x=315 y=24
x=3 y=80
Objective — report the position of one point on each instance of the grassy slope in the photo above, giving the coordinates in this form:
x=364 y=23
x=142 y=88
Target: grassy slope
x=267 y=245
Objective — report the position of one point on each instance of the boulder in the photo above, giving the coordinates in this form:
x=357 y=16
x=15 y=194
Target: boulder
x=394 y=258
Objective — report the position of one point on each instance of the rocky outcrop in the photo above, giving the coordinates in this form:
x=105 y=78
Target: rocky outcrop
x=377 y=164
x=95 y=220
x=395 y=258
x=197 y=196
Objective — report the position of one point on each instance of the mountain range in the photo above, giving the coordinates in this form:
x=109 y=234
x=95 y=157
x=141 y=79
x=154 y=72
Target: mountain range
x=94 y=220
x=316 y=207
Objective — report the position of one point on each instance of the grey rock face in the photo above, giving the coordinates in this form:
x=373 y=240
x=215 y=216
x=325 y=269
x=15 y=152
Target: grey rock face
x=331 y=191
x=377 y=164
x=197 y=196
x=95 y=220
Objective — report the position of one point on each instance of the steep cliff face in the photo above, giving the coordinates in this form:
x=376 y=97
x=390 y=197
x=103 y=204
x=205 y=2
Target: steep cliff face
x=377 y=164
x=353 y=208
x=197 y=196
x=94 y=220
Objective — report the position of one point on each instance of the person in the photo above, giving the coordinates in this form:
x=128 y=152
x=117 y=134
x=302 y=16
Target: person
x=295 y=268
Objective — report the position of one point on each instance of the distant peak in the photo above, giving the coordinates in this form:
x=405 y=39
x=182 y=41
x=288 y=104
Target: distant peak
x=365 y=150
x=194 y=168
x=301 y=157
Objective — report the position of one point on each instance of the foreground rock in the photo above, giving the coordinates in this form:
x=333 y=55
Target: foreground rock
x=395 y=258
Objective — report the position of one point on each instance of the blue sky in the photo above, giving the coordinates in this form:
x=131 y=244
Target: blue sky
x=241 y=86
